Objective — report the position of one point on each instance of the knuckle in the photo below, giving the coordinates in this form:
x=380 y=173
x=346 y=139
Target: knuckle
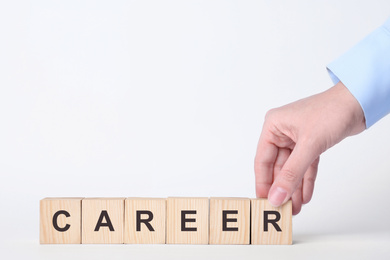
x=269 y=114
x=309 y=141
x=310 y=180
x=290 y=176
x=315 y=164
x=314 y=143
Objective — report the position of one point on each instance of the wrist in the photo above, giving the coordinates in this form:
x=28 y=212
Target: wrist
x=355 y=119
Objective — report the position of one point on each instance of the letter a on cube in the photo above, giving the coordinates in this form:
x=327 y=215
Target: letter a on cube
x=102 y=220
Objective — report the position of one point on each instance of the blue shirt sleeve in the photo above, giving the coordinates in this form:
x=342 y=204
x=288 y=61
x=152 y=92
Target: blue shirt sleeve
x=365 y=71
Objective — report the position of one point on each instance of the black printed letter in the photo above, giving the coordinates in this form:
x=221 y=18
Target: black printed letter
x=184 y=220
x=272 y=221
x=145 y=221
x=108 y=224
x=225 y=220
x=55 y=224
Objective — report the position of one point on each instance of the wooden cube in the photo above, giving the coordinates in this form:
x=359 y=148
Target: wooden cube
x=187 y=220
x=145 y=220
x=270 y=225
x=229 y=221
x=60 y=221
x=103 y=220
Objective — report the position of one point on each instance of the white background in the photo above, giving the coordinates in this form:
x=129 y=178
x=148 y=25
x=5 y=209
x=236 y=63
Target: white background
x=167 y=98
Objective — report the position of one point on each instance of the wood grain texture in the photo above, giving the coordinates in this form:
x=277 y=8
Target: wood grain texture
x=92 y=209
x=239 y=221
x=156 y=207
x=175 y=206
x=48 y=233
x=259 y=235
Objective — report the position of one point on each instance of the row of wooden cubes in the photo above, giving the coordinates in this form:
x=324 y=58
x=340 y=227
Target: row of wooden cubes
x=159 y=221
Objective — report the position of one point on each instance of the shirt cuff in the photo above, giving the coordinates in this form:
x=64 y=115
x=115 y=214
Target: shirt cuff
x=365 y=71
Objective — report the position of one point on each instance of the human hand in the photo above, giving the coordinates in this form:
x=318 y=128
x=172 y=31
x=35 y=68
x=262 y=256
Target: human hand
x=294 y=136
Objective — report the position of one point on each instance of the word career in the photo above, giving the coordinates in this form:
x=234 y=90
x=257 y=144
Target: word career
x=234 y=221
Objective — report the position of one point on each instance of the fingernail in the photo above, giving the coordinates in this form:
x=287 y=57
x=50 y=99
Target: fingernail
x=277 y=196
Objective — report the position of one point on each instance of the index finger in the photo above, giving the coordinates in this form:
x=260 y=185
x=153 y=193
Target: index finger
x=264 y=165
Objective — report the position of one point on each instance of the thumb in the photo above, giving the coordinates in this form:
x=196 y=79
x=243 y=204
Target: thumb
x=291 y=174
